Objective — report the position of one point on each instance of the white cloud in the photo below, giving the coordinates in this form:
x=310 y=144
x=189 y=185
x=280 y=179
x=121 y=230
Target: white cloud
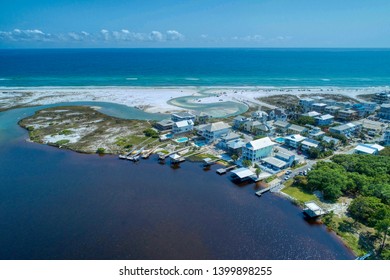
x=173 y=35
x=156 y=36
x=26 y=35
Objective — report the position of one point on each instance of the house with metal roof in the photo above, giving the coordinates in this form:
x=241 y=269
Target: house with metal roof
x=214 y=131
x=258 y=149
x=182 y=126
x=293 y=141
x=368 y=149
x=324 y=120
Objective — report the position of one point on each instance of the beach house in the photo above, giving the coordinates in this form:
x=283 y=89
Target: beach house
x=293 y=141
x=306 y=104
x=182 y=126
x=182 y=116
x=368 y=149
x=384 y=112
x=214 y=131
x=346 y=129
x=386 y=137
x=258 y=149
x=324 y=120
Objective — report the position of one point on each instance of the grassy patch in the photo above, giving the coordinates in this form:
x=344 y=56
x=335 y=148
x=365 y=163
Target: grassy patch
x=298 y=193
x=62 y=142
x=65 y=132
x=270 y=179
x=298 y=165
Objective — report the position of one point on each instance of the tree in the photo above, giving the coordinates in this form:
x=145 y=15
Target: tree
x=383 y=227
x=368 y=210
x=246 y=163
x=258 y=171
x=327 y=219
x=150 y=132
x=234 y=157
x=100 y=151
x=314 y=153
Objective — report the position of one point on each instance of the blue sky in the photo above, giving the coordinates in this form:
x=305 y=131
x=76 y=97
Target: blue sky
x=195 y=23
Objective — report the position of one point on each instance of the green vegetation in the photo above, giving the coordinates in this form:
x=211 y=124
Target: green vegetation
x=62 y=142
x=150 y=132
x=385 y=152
x=304 y=120
x=246 y=163
x=366 y=178
x=297 y=192
x=30 y=128
x=65 y=132
x=100 y=151
x=270 y=179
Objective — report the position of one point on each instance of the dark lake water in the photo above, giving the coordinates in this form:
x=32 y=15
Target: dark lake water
x=57 y=204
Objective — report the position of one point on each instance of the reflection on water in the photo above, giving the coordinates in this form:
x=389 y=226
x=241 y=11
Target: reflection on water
x=57 y=204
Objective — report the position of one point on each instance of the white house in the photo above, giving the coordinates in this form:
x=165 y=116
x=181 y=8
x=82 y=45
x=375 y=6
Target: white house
x=324 y=120
x=258 y=149
x=213 y=131
x=182 y=126
x=368 y=149
x=293 y=140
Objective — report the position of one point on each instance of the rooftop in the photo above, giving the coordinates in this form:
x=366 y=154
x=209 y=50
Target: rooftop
x=274 y=161
x=325 y=117
x=243 y=173
x=183 y=123
x=260 y=143
x=216 y=126
x=312 y=114
x=295 y=137
x=297 y=128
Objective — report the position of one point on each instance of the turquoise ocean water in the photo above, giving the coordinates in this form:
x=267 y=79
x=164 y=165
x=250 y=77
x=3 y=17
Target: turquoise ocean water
x=195 y=67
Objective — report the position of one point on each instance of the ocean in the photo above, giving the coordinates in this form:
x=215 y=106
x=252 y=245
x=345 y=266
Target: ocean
x=58 y=204
x=195 y=67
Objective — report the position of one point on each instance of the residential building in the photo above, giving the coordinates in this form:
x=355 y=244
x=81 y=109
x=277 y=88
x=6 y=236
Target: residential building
x=182 y=116
x=274 y=163
x=296 y=129
x=316 y=132
x=213 y=131
x=324 y=120
x=327 y=139
x=371 y=127
x=281 y=126
x=329 y=102
x=293 y=141
x=260 y=116
x=278 y=114
x=347 y=115
x=229 y=137
x=386 y=137
x=319 y=107
x=164 y=124
x=306 y=104
x=183 y=126
x=382 y=97
x=287 y=157
x=308 y=143
x=346 y=129
x=384 y=112
x=251 y=126
x=333 y=110
x=368 y=149
x=202 y=117
x=258 y=149
x=239 y=121
x=364 y=109
x=311 y=114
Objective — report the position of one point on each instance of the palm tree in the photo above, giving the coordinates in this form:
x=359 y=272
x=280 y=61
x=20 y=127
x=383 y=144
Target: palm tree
x=258 y=171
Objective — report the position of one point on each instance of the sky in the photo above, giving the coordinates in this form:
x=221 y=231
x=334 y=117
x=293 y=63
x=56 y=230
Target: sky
x=195 y=23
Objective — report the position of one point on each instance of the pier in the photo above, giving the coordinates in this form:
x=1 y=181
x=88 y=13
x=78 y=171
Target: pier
x=164 y=156
x=221 y=171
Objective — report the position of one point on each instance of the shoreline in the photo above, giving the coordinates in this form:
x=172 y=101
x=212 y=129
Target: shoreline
x=159 y=99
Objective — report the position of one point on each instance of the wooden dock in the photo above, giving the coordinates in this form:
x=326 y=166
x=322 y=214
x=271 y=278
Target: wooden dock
x=222 y=171
x=260 y=192
x=164 y=156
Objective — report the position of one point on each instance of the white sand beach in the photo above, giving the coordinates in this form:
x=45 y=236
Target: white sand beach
x=154 y=100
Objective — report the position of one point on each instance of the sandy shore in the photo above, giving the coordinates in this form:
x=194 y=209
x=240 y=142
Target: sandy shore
x=154 y=100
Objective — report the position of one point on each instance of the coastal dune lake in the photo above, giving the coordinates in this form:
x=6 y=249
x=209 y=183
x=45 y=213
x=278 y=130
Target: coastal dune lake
x=58 y=204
